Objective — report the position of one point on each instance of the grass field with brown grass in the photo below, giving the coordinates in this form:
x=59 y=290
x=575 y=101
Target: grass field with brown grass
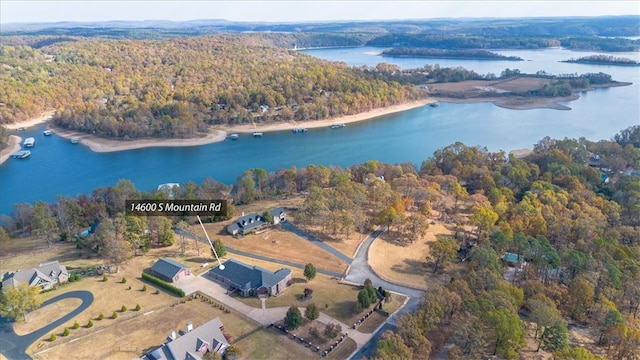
x=404 y=263
x=276 y=243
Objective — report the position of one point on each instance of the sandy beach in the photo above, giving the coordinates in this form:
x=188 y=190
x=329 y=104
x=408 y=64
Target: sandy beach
x=14 y=145
x=220 y=133
x=44 y=117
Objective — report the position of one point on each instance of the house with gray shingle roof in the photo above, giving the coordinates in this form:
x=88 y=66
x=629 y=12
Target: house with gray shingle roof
x=169 y=270
x=46 y=276
x=255 y=222
x=251 y=280
x=194 y=344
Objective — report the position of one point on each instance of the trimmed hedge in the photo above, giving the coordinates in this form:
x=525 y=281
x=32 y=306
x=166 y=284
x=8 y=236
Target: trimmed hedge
x=163 y=284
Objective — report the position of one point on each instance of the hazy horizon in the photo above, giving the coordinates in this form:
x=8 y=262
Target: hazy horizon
x=16 y=12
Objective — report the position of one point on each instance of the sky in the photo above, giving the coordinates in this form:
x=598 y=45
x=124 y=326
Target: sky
x=14 y=11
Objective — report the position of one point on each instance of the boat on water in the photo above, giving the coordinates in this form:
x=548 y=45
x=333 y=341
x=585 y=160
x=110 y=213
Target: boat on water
x=23 y=154
x=75 y=140
x=257 y=134
x=22 y=128
x=433 y=104
x=299 y=130
x=29 y=142
x=47 y=132
x=234 y=136
x=337 y=125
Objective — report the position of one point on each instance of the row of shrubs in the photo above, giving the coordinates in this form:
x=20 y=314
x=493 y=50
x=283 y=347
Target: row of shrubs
x=163 y=284
x=67 y=332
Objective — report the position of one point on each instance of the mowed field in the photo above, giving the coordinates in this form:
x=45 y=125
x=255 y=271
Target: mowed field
x=276 y=243
x=404 y=263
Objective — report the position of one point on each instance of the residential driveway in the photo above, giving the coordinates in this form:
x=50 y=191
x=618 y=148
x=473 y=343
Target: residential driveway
x=266 y=316
x=13 y=346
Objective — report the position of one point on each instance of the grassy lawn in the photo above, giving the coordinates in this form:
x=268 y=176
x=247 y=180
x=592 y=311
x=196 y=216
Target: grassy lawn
x=272 y=345
x=128 y=339
x=279 y=244
x=404 y=263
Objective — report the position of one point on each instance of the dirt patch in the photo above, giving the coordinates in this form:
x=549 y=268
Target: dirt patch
x=404 y=263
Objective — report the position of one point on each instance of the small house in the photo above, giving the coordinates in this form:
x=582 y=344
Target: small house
x=254 y=222
x=170 y=270
x=512 y=259
x=45 y=276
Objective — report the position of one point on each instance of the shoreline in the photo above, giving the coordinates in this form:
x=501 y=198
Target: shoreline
x=12 y=147
x=219 y=133
x=516 y=103
x=42 y=118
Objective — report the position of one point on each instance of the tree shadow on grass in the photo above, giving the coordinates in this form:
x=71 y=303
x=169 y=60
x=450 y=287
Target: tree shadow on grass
x=198 y=260
x=411 y=267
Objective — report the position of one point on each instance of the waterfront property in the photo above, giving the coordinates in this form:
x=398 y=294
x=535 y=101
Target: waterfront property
x=251 y=280
x=170 y=270
x=255 y=222
x=45 y=276
x=193 y=344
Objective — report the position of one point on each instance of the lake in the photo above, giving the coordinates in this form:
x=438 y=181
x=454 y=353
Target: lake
x=57 y=167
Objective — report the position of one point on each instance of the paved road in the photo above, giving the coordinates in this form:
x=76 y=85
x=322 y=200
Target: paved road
x=258 y=257
x=13 y=346
x=358 y=273
x=315 y=241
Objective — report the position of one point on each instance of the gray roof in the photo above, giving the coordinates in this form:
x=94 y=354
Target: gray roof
x=46 y=272
x=187 y=345
x=167 y=267
x=250 y=277
x=248 y=222
x=276 y=212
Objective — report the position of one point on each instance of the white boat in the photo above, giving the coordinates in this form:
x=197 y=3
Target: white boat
x=337 y=125
x=23 y=154
x=47 y=132
x=257 y=134
x=29 y=142
x=75 y=140
x=234 y=136
x=298 y=130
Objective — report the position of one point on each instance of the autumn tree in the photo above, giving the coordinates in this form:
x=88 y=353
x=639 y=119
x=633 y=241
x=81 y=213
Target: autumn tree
x=16 y=302
x=392 y=347
x=44 y=224
x=508 y=332
x=441 y=252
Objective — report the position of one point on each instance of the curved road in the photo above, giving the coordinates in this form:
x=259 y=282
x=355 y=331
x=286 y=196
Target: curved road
x=358 y=273
x=13 y=346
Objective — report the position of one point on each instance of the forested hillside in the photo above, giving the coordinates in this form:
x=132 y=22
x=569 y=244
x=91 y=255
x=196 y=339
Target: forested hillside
x=578 y=233
x=175 y=88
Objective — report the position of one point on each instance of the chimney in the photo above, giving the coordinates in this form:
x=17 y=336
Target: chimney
x=189 y=326
x=243 y=213
x=173 y=334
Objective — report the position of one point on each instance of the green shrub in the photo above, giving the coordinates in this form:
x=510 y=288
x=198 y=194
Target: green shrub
x=53 y=337
x=144 y=288
x=105 y=278
x=90 y=324
x=123 y=308
x=101 y=316
x=66 y=332
x=163 y=284
x=124 y=280
x=114 y=315
x=138 y=307
x=75 y=325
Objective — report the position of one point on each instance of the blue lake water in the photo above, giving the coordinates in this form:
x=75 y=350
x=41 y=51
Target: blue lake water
x=57 y=167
